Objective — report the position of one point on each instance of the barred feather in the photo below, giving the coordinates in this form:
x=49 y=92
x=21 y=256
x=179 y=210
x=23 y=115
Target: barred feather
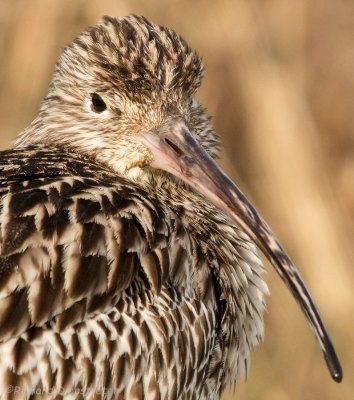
x=105 y=288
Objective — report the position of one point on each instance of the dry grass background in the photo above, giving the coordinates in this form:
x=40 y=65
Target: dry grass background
x=280 y=85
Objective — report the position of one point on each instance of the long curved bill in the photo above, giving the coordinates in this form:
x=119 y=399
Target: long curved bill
x=176 y=151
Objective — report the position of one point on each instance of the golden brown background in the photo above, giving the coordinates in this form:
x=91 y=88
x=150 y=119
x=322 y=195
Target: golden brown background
x=280 y=85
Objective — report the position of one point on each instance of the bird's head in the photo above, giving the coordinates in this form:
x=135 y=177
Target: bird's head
x=123 y=92
x=118 y=79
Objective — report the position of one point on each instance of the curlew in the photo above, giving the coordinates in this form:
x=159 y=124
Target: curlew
x=128 y=260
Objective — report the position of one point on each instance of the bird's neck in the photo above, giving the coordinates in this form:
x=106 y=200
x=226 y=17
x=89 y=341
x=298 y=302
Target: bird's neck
x=31 y=134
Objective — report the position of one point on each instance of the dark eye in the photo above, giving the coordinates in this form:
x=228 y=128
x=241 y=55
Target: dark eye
x=97 y=103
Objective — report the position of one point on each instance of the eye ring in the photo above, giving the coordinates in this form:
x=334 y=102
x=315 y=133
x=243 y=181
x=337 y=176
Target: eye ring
x=97 y=103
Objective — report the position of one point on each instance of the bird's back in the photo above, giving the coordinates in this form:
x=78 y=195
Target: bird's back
x=104 y=293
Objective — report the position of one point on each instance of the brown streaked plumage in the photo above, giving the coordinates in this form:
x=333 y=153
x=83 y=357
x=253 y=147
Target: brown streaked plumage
x=128 y=262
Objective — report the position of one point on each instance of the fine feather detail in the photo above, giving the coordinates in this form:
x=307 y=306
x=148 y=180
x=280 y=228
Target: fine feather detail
x=90 y=287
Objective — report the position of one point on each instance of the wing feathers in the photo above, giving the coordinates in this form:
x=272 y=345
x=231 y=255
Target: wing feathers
x=98 y=282
x=67 y=238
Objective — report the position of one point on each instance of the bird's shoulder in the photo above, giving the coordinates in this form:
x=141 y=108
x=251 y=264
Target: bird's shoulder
x=28 y=163
x=74 y=237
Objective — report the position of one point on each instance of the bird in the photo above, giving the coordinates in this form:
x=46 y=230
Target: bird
x=129 y=264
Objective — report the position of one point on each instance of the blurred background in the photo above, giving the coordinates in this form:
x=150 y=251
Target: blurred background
x=280 y=87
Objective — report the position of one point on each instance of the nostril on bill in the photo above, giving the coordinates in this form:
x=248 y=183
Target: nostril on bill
x=174 y=147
